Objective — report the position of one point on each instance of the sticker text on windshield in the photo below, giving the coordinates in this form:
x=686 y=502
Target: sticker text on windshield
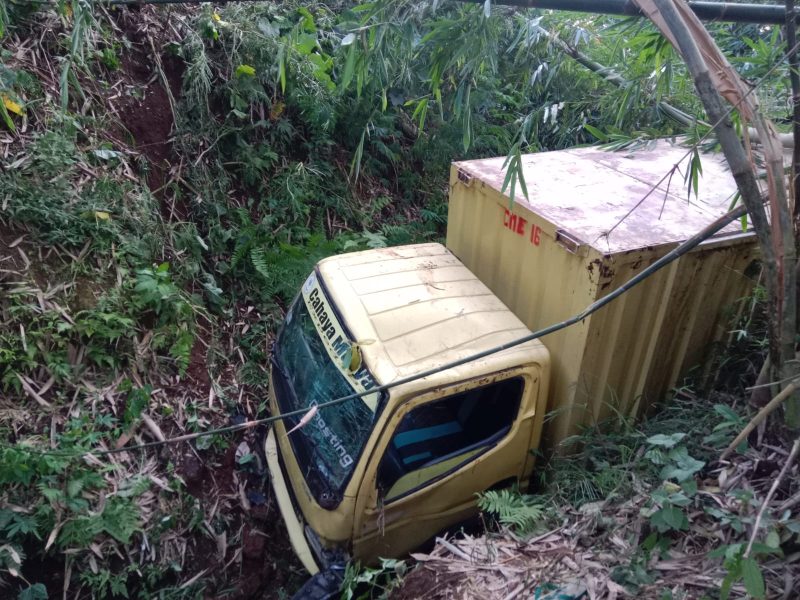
x=336 y=443
x=340 y=345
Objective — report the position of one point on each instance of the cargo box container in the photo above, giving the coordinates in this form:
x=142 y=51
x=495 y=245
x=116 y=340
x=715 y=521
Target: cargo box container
x=592 y=219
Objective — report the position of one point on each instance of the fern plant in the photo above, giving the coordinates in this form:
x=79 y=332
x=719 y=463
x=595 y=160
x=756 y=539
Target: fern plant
x=521 y=512
x=260 y=264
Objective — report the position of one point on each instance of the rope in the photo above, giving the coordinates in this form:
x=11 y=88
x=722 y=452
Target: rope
x=676 y=253
x=662 y=262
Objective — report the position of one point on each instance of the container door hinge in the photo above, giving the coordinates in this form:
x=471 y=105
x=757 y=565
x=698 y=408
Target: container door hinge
x=569 y=242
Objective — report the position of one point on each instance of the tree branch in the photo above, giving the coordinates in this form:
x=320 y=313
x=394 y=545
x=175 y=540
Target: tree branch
x=772 y=489
x=762 y=414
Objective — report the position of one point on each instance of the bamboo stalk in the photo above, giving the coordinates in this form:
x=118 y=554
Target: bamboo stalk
x=775 y=236
x=760 y=416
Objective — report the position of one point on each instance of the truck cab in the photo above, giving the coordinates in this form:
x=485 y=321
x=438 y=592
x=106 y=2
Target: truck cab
x=377 y=476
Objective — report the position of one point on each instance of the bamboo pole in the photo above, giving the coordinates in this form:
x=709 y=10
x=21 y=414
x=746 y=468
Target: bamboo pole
x=776 y=238
x=762 y=414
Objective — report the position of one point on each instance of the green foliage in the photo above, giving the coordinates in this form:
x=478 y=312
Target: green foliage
x=80 y=41
x=283 y=269
x=119 y=519
x=744 y=569
x=676 y=463
x=3 y=20
x=108 y=57
x=665 y=457
x=301 y=131
x=37 y=591
x=48 y=192
x=136 y=403
x=106 y=330
x=634 y=574
x=362 y=583
x=521 y=512
x=69 y=505
x=62 y=499
x=105 y=583
x=143 y=582
x=669 y=501
x=730 y=425
x=596 y=464
x=670 y=516
x=155 y=291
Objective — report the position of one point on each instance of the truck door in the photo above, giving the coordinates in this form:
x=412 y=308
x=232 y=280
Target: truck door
x=438 y=450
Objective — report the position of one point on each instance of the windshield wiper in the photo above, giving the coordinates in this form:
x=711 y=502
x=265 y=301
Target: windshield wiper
x=283 y=386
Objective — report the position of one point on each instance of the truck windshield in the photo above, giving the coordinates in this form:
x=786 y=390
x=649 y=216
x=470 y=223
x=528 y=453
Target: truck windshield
x=308 y=371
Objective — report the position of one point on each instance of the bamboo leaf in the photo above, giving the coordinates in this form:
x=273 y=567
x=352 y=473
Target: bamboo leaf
x=3 y=19
x=693 y=174
x=467 y=133
x=6 y=117
x=521 y=175
x=420 y=112
x=282 y=68
x=64 y=84
x=349 y=67
x=596 y=132
x=12 y=106
x=665 y=441
x=513 y=168
x=245 y=71
x=355 y=165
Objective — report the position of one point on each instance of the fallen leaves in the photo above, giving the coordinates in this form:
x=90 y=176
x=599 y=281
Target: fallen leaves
x=599 y=549
x=12 y=106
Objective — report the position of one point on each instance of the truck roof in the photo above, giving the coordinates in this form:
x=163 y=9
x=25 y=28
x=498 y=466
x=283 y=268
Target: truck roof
x=589 y=191
x=416 y=307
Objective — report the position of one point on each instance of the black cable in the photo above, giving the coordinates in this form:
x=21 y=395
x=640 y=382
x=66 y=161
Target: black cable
x=662 y=262
x=677 y=252
x=708 y=11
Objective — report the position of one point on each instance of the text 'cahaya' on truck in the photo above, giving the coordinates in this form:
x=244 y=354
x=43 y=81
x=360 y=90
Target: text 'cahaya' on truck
x=378 y=475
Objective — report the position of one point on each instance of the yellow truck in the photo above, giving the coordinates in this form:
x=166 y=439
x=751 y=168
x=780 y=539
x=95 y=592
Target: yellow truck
x=378 y=475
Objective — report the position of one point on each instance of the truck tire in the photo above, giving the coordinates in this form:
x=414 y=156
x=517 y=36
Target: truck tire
x=325 y=585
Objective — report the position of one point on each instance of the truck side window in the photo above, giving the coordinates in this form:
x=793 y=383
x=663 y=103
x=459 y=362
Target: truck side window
x=436 y=438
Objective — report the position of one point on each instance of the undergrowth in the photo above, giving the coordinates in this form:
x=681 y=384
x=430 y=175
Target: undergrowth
x=169 y=177
x=664 y=466
x=139 y=298
x=660 y=472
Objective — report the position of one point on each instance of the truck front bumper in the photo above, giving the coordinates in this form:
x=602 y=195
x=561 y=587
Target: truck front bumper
x=283 y=494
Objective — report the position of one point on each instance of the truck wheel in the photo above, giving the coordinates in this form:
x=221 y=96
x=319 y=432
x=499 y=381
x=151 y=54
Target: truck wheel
x=325 y=585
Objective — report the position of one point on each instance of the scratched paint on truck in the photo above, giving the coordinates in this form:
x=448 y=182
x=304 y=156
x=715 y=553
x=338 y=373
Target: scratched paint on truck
x=550 y=256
